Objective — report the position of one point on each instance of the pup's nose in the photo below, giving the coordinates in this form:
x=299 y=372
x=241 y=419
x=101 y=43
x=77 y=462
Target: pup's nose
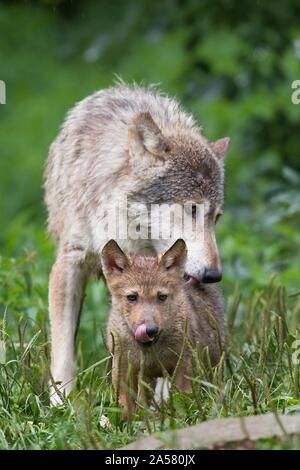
x=211 y=275
x=152 y=330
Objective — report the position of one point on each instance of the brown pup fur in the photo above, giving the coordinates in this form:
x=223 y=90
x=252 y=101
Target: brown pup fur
x=187 y=316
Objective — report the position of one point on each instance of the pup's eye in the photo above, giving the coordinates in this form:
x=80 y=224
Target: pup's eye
x=132 y=297
x=162 y=297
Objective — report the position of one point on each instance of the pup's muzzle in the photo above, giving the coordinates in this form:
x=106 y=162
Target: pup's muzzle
x=146 y=333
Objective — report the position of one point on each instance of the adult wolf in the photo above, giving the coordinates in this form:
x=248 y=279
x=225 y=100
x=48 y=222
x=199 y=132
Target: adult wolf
x=122 y=142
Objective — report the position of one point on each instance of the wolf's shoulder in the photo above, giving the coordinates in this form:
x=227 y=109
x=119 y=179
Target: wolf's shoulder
x=119 y=104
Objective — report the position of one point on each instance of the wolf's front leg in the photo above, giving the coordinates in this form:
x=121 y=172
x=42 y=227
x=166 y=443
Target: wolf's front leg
x=66 y=291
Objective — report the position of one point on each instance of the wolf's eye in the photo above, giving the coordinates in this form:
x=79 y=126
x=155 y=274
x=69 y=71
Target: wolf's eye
x=191 y=209
x=218 y=216
x=132 y=297
x=162 y=297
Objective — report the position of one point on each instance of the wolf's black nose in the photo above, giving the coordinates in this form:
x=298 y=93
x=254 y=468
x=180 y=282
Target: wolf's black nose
x=212 y=275
x=152 y=330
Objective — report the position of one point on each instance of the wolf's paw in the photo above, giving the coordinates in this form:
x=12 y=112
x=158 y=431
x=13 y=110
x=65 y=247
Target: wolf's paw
x=58 y=394
x=57 y=398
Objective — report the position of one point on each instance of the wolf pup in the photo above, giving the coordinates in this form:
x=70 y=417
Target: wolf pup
x=154 y=312
x=122 y=142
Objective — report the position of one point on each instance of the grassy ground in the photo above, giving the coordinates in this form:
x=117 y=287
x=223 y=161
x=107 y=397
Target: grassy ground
x=258 y=375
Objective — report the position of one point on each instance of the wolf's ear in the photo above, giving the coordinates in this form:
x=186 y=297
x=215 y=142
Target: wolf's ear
x=175 y=258
x=144 y=134
x=220 y=147
x=113 y=259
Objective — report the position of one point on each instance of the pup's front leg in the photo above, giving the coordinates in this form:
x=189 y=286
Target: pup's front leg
x=125 y=384
x=66 y=291
x=146 y=389
x=182 y=380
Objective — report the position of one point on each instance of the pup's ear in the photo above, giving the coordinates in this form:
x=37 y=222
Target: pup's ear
x=113 y=259
x=174 y=259
x=220 y=147
x=144 y=134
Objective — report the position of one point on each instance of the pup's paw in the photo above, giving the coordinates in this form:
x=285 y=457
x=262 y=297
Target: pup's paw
x=162 y=390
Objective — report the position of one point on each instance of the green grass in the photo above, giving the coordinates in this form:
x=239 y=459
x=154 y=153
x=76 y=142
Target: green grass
x=257 y=376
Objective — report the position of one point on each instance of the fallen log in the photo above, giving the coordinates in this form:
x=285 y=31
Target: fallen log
x=219 y=433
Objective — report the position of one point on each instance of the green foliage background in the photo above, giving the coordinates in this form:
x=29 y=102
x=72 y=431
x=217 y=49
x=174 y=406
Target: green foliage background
x=231 y=63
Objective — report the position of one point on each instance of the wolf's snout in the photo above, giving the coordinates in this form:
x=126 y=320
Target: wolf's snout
x=211 y=275
x=208 y=275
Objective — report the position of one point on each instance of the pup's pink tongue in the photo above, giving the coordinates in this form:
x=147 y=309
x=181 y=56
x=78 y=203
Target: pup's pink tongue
x=141 y=334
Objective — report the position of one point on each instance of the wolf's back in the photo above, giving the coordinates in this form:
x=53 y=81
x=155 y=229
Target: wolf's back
x=90 y=150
